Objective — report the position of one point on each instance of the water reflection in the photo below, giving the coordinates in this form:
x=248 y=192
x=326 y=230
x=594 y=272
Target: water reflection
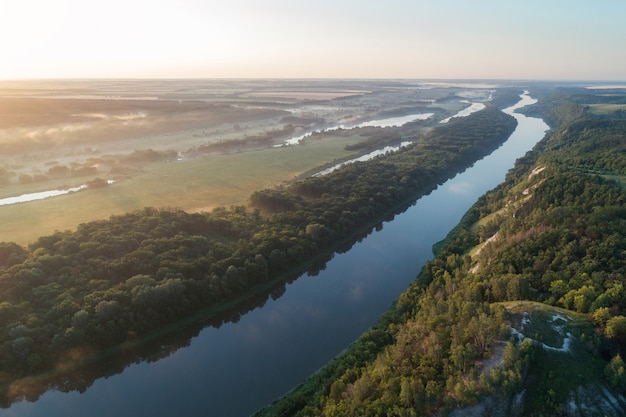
x=82 y=375
x=363 y=158
x=472 y=108
x=387 y=122
x=462 y=188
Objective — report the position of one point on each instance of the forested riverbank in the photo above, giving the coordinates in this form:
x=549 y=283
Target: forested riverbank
x=73 y=294
x=522 y=310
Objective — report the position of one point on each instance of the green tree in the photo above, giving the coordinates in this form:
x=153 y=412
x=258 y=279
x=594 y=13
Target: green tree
x=615 y=373
x=616 y=328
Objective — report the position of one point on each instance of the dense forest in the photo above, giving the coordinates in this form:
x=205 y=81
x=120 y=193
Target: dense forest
x=74 y=294
x=523 y=309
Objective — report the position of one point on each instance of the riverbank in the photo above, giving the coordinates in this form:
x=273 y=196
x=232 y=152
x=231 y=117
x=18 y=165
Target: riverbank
x=377 y=338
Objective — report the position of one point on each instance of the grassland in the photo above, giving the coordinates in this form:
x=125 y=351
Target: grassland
x=600 y=109
x=192 y=185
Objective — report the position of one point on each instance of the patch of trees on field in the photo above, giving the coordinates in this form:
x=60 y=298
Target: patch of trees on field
x=378 y=139
x=261 y=140
x=113 y=281
x=111 y=164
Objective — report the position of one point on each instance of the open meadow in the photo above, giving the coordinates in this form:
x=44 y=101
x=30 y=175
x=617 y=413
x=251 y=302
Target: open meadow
x=191 y=185
x=186 y=144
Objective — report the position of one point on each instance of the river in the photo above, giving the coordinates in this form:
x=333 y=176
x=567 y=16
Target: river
x=388 y=122
x=241 y=366
x=25 y=198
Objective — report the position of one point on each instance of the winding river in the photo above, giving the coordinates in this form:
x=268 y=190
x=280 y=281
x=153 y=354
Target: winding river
x=241 y=366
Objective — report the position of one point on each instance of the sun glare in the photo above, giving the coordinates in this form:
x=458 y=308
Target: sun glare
x=181 y=38
x=26 y=28
x=70 y=38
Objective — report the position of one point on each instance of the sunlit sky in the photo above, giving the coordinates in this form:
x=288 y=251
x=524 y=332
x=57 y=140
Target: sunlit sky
x=495 y=39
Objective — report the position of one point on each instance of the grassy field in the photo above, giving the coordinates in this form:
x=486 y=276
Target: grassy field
x=605 y=108
x=192 y=185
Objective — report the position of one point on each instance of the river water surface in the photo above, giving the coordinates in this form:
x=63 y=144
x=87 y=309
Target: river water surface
x=241 y=366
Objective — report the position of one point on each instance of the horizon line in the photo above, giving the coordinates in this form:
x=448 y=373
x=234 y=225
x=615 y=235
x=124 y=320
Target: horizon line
x=469 y=79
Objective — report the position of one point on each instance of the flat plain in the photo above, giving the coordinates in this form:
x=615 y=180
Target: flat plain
x=188 y=144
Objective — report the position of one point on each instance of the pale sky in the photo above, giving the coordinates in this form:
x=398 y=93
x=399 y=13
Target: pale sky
x=489 y=39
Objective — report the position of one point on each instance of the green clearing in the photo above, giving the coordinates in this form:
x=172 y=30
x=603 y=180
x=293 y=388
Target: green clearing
x=621 y=179
x=547 y=324
x=556 y=373
x=599 y=109
x=191 y=185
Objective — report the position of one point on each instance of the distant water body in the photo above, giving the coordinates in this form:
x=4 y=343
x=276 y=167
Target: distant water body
x=472 y=108
x=24 y=198
x=41 y=195
x=387 y=122
x=398 y=121
x=363 y=158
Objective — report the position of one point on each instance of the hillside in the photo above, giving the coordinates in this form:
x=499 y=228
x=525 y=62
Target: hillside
x=522 y=311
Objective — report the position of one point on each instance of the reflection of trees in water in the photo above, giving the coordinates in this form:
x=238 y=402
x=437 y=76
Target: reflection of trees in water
x=80 y=375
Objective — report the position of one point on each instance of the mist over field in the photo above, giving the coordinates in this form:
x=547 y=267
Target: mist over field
x=153 y=141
